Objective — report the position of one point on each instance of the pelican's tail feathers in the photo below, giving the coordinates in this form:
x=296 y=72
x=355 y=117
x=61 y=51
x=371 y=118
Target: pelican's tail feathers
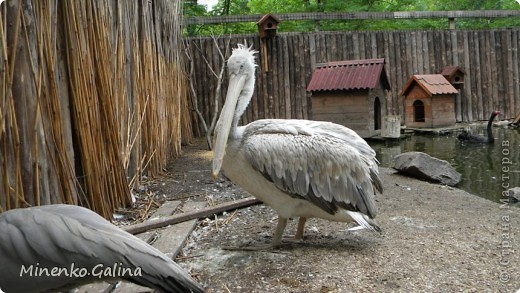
x=364 y=221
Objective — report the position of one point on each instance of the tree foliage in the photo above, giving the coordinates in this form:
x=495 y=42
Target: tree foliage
x=244 y=7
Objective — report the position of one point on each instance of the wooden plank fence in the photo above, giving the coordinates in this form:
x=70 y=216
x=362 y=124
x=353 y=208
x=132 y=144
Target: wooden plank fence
x=489 y=58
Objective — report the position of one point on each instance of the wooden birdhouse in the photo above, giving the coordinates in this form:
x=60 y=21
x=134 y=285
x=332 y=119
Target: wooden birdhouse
x=267 y=26
x=429 y=101
x=352 y=93
x=455 y=75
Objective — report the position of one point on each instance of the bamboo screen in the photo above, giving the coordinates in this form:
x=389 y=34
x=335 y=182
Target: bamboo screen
x=92 y=97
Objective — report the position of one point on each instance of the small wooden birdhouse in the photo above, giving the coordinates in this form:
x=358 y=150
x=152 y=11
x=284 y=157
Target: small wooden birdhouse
x=455 y=75
x=352 y=93
x=267 y=26
x=429 y=101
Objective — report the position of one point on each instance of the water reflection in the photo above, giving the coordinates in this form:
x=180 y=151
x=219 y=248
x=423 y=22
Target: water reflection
x=487 y=169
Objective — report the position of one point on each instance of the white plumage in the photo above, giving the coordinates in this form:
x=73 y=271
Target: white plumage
x=300 y=168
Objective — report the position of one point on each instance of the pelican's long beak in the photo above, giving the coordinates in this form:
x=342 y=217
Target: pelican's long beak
x=236 y=84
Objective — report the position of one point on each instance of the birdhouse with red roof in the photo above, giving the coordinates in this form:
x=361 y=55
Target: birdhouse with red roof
x=352 y=93
x=267 y=26
x=429 y=101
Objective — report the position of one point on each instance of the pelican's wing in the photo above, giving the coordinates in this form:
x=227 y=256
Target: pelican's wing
x=324 y=163
x=68 y=237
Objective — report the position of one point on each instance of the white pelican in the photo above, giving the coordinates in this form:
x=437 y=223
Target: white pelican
x=58 y=247
x=300 y=168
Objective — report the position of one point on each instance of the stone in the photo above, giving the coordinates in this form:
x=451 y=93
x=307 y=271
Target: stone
x=514 y=194
x=425 y=167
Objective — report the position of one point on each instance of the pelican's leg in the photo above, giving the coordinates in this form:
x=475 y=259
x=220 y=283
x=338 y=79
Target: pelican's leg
x=299 y=231
x=277 y=236
x=277 y=239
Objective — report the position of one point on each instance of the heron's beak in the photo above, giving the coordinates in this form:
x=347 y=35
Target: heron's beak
x=236 y=84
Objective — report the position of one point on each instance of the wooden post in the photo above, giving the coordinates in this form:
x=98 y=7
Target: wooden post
x=391 y=127
x=451 y=21
x=517 y=120
x=266 y=64
x=178 y=218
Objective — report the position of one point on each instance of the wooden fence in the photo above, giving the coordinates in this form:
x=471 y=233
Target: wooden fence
x=452 y=15
x=93 y=96
x=489 y=58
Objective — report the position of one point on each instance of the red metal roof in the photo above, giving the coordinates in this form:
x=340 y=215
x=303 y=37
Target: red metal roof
x=433 y=84
x=348 y=75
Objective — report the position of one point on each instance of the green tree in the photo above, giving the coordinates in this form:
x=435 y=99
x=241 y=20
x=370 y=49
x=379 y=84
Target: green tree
x=244 y=7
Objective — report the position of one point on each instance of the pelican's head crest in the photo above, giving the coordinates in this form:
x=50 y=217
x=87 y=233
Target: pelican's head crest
x=242 y=60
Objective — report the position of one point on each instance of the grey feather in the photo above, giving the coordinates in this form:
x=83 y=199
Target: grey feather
x=322 y=162
x=60 y=235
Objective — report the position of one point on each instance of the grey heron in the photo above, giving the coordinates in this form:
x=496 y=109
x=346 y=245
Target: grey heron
x=58 y=247
x=300 y=168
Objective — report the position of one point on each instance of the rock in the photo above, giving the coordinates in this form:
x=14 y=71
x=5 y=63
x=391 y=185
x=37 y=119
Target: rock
x=514 y=194
x=425 y=167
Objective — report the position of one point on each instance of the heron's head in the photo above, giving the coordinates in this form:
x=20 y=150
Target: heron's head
x=241 y=70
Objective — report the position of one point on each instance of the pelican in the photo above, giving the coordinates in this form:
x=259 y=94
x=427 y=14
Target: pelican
x=59 y=247
x=300 y=168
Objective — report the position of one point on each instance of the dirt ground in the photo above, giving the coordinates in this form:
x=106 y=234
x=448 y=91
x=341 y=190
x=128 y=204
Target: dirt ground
x=435 y=238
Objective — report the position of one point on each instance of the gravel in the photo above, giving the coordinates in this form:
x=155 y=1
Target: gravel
x=435 y=238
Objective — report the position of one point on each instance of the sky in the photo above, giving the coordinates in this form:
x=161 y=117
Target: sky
x=210 y=3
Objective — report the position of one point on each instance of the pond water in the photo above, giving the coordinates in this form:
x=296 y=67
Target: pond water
x=487 y=169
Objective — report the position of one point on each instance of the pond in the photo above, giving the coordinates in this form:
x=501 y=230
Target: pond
x=487 y=169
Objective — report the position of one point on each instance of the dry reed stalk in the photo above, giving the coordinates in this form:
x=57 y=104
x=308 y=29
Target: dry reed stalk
x=135 y=108
x=4 y=179
x=37 y=79
x=105 y=86
x=127 y=94
x=9 y=127
x=154 y=133
x=15 y=148
x=68 y=185
x=78 y=63
x=98 y=135
x=3 y=108
x=186 y=117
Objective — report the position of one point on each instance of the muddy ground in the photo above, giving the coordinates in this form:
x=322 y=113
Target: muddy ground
x=435 y=238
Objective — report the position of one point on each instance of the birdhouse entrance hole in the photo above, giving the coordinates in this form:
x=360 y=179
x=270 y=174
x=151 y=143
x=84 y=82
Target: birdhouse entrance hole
x=377 y=114
x=418 y=111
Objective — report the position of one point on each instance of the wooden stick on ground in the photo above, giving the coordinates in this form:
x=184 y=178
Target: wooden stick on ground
x=517 y=120
x=174 y=219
